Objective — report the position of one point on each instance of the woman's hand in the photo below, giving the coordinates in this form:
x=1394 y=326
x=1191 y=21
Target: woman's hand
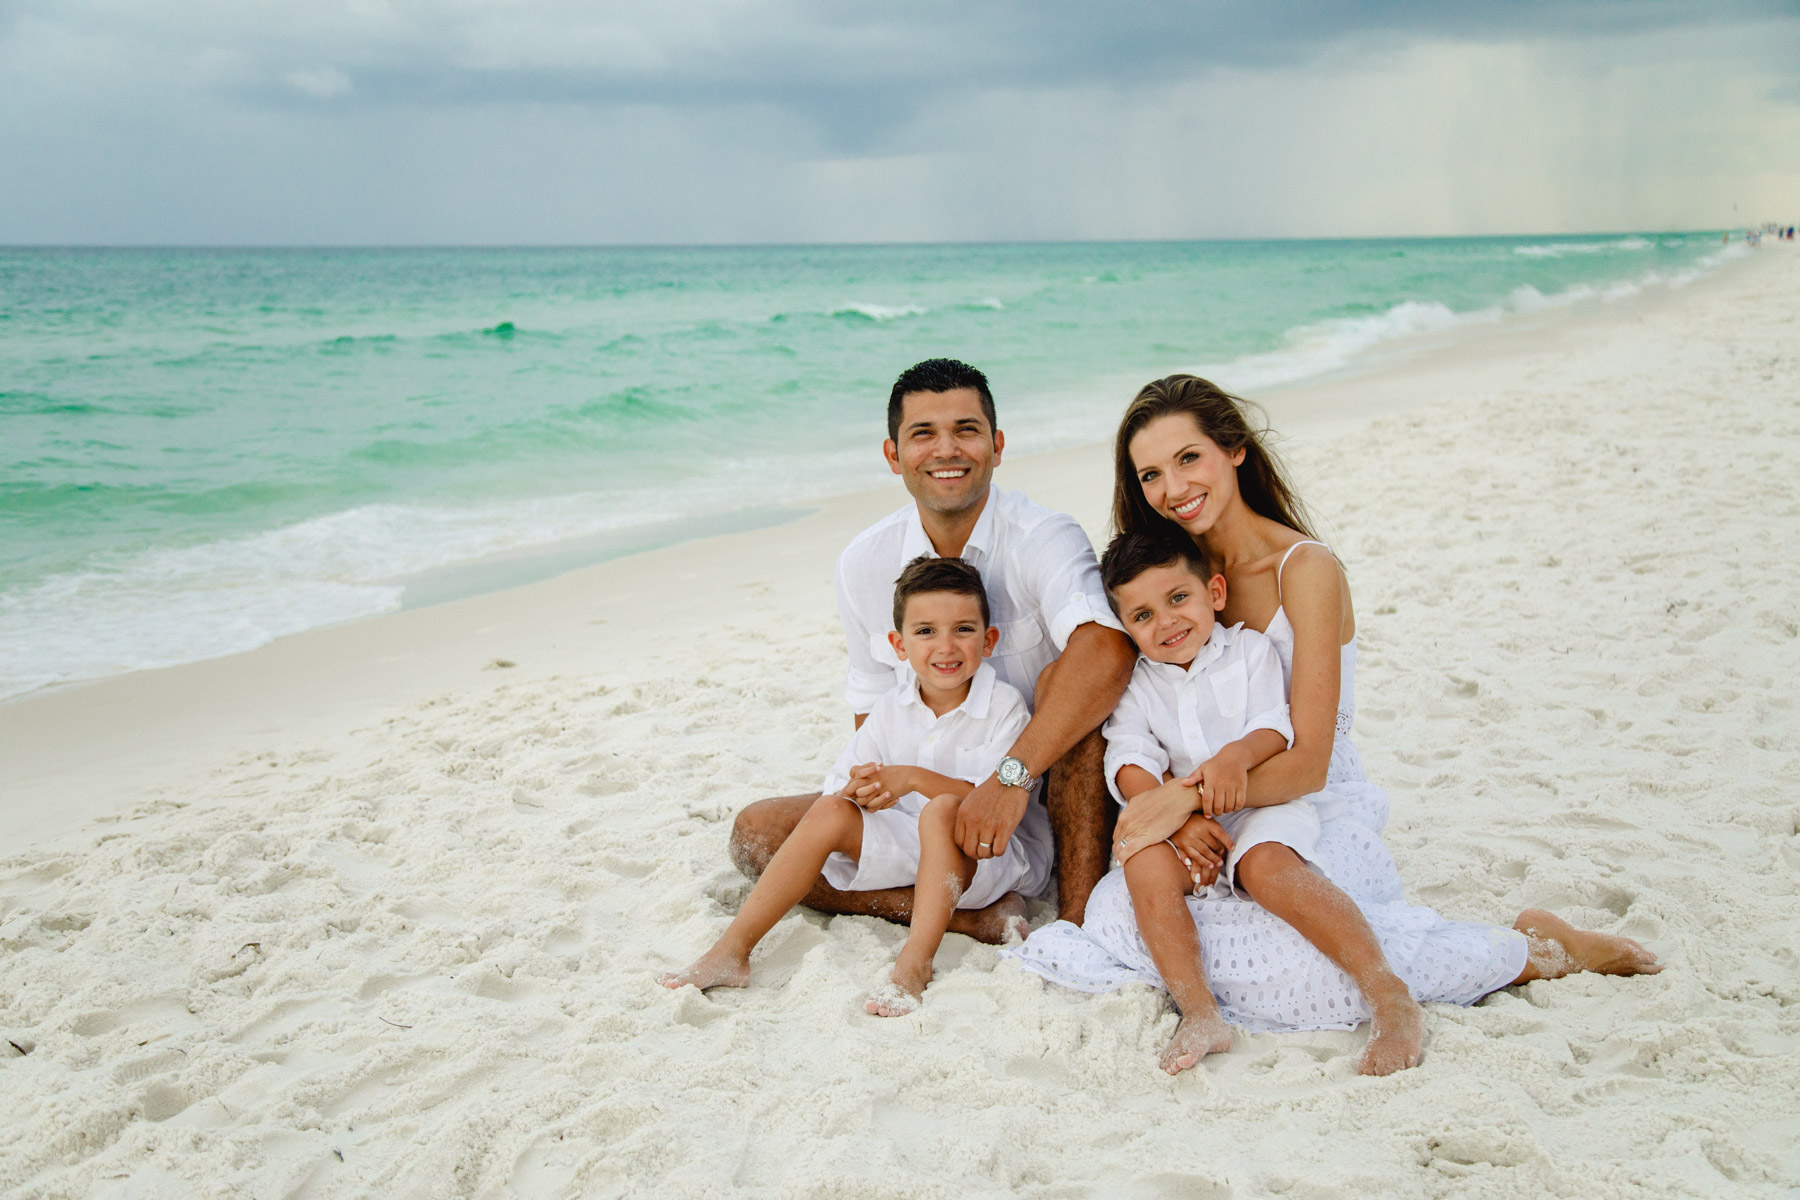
x=1203 y=845
x=1152 y=816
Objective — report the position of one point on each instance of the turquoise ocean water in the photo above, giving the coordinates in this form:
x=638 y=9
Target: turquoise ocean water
x=201 y=450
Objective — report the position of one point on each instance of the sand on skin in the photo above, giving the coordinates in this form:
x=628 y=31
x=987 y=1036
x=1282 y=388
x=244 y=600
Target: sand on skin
x=403 y=944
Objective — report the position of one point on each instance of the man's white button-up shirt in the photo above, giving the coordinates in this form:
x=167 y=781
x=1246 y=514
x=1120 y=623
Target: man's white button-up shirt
x=1038 y=568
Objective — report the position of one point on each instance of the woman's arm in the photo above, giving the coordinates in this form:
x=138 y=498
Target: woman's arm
x=1154 y=810
x=1312 y=592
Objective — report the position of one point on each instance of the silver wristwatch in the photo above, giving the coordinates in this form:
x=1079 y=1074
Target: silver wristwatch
x=1012 y=773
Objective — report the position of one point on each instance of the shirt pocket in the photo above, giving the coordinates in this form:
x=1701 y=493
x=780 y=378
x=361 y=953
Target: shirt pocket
x=1229 y=685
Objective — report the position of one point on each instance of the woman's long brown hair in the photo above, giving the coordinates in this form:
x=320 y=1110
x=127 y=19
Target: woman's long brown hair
x=1221 y=417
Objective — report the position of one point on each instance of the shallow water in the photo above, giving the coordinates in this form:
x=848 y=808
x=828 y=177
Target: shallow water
x=206 y=449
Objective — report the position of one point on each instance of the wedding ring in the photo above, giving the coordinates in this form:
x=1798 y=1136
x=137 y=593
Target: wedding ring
x=984 y=845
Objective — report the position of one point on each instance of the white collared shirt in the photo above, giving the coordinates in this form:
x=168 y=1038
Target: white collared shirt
x=1174 y=719
x=964 y=743
x=1037 y=565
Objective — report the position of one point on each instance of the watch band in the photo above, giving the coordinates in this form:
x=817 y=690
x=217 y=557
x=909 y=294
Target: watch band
x=1013 y=773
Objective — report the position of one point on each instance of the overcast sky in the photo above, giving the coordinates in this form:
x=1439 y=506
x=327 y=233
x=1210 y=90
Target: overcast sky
x=533 y=121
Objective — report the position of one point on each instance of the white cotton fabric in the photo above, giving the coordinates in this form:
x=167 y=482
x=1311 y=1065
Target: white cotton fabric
x=1037 y=565
x=1266 y=977
x=1173 y=718
x=964 y=743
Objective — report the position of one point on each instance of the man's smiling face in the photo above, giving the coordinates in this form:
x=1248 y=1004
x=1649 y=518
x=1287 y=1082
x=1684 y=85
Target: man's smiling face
x=947 y=451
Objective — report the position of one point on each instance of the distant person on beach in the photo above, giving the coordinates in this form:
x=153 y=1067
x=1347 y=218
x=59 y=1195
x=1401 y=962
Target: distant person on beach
x=1059 y=645
x=1326 y=942
x=935 y=734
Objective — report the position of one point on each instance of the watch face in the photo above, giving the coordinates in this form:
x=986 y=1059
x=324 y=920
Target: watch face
x=1012 y=772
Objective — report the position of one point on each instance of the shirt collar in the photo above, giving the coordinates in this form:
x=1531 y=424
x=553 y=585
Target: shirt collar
x=975 y=551
x=975 y=704
x=1222 y=636
x=981 y=539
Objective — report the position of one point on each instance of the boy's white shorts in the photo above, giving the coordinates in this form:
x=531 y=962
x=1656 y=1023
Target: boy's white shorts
x=1294 y=825
x=890 y=858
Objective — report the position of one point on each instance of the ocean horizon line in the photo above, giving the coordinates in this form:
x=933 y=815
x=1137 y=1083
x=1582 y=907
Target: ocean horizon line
x=1225 y=239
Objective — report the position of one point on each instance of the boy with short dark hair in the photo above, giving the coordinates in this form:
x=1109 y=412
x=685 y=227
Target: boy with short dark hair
x=886 y=816
x=1204 y=700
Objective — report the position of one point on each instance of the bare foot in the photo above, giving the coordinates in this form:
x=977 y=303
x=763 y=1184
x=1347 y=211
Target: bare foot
x=1196 y=1037
x=715 y=968
x=1557 y=948
x=1396 y=1035
x=1002 y=923
x=902 y=994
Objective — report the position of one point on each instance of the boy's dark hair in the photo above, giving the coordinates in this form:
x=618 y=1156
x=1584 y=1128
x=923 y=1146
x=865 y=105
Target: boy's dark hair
x=928 y=574
x=1131 y=554
x=938 y=375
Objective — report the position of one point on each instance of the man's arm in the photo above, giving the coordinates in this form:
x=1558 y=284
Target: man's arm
x=866 y=677
x=1074 y=695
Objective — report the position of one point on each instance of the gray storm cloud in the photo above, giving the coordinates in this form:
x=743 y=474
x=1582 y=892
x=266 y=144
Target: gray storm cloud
x=544 y=121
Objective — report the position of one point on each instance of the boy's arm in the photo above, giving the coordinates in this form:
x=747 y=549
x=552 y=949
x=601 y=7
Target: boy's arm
x=1225 y=777
x=901 y=780
x=1133 y=781
x=1131 y=742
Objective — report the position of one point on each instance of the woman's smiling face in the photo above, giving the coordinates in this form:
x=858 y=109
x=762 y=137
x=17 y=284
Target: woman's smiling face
x=1185 y=475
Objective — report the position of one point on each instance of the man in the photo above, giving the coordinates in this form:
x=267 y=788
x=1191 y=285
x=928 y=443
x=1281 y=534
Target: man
x=1059 y=644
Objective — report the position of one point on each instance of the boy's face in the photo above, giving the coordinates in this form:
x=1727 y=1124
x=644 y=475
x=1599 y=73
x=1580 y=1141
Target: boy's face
x=1168 y=611
x=943 y=638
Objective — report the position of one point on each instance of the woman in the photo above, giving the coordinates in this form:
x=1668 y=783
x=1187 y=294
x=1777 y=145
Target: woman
x=1328 y=944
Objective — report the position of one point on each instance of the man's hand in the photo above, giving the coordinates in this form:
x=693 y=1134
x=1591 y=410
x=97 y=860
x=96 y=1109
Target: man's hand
x=1152 y=817
x=988 y=817
x=1203 y=845
x=1224 y=783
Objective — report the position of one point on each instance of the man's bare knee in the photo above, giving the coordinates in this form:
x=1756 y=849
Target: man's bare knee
x=759 y=830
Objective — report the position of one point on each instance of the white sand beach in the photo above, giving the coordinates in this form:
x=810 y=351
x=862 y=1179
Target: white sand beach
x=375 y=910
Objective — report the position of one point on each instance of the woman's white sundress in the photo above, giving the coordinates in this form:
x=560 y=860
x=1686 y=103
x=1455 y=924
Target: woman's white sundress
x=1266 y=976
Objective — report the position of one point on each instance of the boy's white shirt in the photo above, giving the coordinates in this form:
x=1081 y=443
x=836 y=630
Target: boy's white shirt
x=1173 y=719
x=1037 y=565
x=964 y=743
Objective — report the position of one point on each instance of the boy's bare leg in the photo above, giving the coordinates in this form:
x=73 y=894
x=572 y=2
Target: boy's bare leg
x=1158 y=883
x=1280 y=881
x=832 y=823
x=944 y=874
x=1557 y=948
x=763 y=826
x=1082 y=816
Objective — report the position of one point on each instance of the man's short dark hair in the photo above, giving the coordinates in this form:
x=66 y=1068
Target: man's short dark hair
x=929 y=574
x=938 y=375
x=1131 y=554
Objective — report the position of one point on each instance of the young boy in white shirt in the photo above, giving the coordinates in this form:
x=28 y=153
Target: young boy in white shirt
x=1205 y=700
x=936 y=734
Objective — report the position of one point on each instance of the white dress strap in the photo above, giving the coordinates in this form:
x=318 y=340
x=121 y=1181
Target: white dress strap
x=1282 y=565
